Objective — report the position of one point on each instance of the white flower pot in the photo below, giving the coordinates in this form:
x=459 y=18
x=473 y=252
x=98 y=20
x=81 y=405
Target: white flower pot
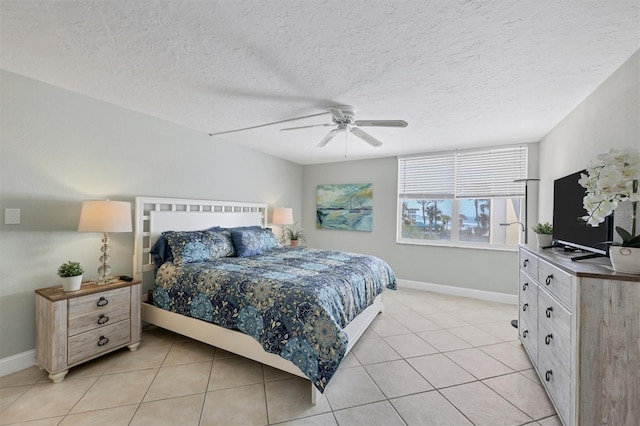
x=625 y=259
x=71 y=283
x=544 y=240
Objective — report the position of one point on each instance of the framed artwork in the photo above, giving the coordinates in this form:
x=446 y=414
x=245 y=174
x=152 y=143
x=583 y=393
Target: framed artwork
x=346 y=206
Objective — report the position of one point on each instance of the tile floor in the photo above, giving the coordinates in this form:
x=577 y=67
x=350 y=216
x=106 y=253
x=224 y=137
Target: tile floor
x=429 y=359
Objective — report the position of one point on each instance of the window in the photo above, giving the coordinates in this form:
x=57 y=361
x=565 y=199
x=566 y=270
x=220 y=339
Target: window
x=461 y=198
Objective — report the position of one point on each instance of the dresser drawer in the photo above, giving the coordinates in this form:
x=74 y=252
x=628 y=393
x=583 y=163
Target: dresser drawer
x=99 y=302
x=551 y=344
x=558 y=384
x=86 y=345
x=555 y=281
x=554 y=325
x=529 y=263
x=528 y=287
x=528 y=331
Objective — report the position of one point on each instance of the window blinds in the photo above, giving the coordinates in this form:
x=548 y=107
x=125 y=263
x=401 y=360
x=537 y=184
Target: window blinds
x=483 y=173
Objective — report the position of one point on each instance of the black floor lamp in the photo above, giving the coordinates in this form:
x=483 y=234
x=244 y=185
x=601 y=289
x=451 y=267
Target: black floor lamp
x=525 y=225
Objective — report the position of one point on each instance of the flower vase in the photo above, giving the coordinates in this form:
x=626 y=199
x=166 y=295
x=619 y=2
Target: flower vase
x=544 y=240
x=294 y=243
x=625 y=259
x=70 y=284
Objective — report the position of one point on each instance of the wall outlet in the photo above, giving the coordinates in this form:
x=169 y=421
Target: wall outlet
x=12 y=216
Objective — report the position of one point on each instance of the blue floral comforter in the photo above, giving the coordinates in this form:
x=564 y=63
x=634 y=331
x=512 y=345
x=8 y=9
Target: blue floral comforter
x=294 y=301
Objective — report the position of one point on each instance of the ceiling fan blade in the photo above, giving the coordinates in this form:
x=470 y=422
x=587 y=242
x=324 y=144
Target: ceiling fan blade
x=306 y=127
x=264 y=125
x=337 y=114
x=366 y=137
x=381 y=123
x=327 y=138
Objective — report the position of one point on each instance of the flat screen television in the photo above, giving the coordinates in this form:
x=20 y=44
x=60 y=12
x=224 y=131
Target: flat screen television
x=568 y=230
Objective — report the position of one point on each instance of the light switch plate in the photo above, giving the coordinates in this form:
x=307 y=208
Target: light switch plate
x=12 y=216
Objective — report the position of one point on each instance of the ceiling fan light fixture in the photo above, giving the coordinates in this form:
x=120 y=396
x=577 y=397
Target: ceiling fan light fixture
x=381 y=123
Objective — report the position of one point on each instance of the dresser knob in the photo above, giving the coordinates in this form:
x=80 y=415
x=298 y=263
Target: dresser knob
x=525 y=263
x=548 y=280
x=102 y=302
x=525 y=306
x=524 y=333
x=103 y=341
x=547 y=339
x=103 y=319
x=524 y=286
x=547 y=375
x=548 y=311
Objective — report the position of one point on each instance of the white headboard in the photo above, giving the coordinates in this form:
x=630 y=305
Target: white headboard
x=154 y=215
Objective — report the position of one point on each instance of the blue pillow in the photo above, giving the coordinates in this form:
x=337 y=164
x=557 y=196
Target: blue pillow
x=252 y=241
x=199 y=246
x=246 y=242
x=161 y=250
x=268 y=241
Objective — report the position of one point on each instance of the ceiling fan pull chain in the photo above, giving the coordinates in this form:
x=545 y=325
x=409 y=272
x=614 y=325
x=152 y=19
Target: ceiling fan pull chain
x=345 y=144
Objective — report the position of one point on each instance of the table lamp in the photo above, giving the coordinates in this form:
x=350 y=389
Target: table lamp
x=105 y=216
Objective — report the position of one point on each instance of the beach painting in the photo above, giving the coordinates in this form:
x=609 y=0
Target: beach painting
x=346 y=206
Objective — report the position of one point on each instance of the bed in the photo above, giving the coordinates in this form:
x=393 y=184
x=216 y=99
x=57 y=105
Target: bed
x=299 y=309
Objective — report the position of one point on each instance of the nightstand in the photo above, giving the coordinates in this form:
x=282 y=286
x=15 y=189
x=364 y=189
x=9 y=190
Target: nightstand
x=75 y=327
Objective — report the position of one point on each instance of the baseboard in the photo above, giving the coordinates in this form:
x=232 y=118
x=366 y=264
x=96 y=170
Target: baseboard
x=17 y=362
x=460 y=291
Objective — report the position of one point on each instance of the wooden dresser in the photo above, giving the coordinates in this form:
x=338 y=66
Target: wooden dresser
x=72 y=328
x=580 y=324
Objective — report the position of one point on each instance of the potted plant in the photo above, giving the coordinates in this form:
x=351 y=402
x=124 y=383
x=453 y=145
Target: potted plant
x=544 y=233
x=71 y=274
x=294 y=233
x=611 y=181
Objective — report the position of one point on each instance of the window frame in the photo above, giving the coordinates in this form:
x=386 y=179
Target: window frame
x=521 y=150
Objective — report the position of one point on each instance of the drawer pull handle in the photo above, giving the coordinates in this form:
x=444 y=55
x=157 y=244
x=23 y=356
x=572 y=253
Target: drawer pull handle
x=548 y=280
x=547 y=340
x=524 y=286
x=525 y=263
x=524 y=333
x=548 y=311
x=103 y=319
x=103 y=341
x=525 y=306
x=102 y=302
x=547 y=375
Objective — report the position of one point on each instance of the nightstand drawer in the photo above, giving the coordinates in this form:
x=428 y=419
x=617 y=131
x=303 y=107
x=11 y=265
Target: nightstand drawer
x=529 y=263
x=555 y=281
x=99 y=302
x=86 y=345
x=98 y=319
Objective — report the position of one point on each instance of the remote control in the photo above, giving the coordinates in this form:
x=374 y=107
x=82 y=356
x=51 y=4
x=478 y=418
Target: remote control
x=125 y=278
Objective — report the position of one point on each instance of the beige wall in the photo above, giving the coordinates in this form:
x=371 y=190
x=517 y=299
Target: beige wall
x=58 y=148
x=608 y=118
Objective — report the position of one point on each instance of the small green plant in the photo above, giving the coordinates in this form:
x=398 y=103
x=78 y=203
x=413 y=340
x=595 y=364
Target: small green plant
x=294 y=233
x=70 y=269
x=543 y=228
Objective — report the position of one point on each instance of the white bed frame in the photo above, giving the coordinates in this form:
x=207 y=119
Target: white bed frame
x=155 y=215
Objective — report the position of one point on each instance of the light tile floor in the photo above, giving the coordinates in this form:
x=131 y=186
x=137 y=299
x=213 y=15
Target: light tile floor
x=429 y=359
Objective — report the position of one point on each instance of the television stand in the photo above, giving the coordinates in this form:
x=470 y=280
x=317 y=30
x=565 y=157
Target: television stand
x=587 y=256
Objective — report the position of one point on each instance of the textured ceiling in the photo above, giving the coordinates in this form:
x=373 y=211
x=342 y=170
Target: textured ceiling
x=463 y=73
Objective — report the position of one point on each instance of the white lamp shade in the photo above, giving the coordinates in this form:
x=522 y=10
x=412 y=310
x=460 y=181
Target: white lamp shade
x=105 y=216
x=282 y=216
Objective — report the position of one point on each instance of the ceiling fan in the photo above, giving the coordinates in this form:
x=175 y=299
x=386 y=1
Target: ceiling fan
x=343 y=118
